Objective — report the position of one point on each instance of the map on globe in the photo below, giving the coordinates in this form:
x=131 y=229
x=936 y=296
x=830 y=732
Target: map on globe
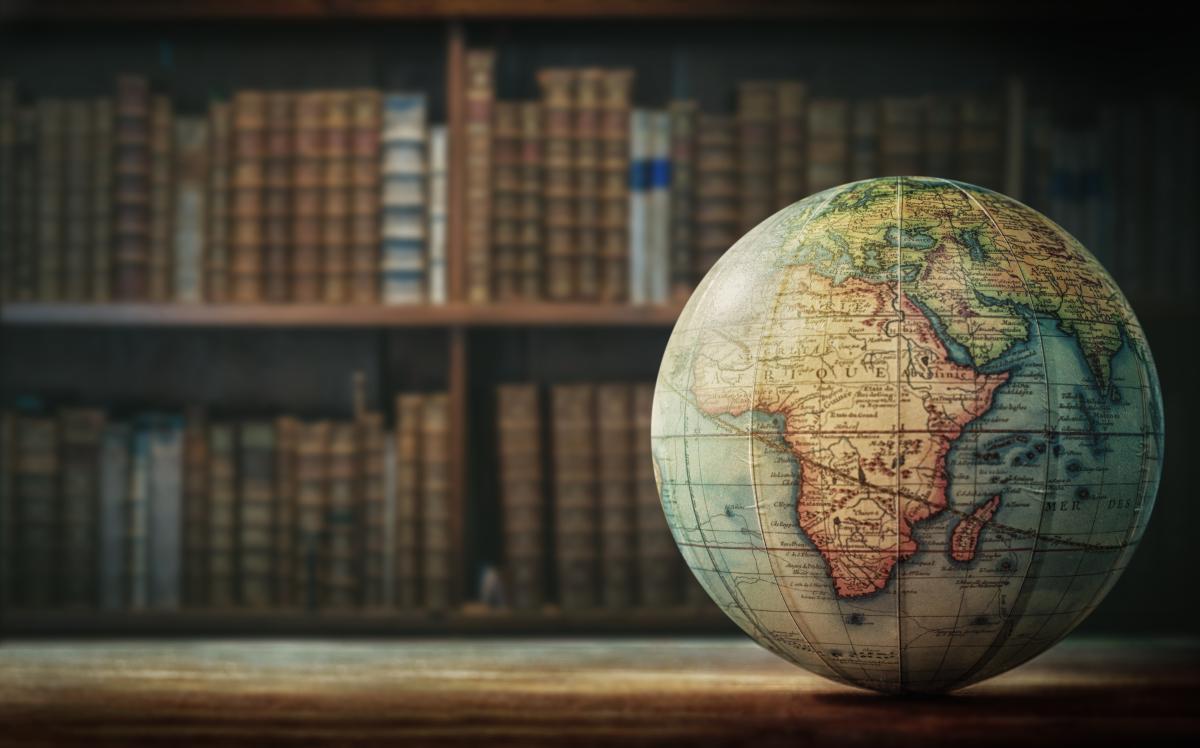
x=907 y=433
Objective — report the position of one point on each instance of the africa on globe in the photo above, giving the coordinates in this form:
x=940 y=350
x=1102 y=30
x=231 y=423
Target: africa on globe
x=907 y=433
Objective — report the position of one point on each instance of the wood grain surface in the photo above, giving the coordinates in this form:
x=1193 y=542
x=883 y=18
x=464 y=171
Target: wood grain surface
x=724 y=691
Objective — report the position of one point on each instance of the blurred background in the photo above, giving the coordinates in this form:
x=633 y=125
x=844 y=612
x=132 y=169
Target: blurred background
x=318 y=315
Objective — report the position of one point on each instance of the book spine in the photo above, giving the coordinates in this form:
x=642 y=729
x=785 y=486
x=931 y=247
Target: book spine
x=255 y=510
x=617 y=525
x=35 y=512
x=137 y=522
x=77 y=184
x=586 y=178
x=8 y=190
x=191 y=173
x=306 y=197
x=575 y=530
x=165 y=525
x=615 y=104
x=335 y=197
x=438 y=547
x=791 y=113
x=756 y=123
x=658 y=213
x=8 y=532
x=388 y=485
x=981 y=142
x=409 y=408
x=864 y=139
x=519 y=445
x=81 y=431
x=506 y=155
x=50 y=204
x=437 y=159
x=365 y=196
x=283 y=520
x=115 y=469
x=478 y=97
x=101 y=211
x=247 y=181
x=403 y=263
x=162 y=129
x=195 y=510
x=716 y=189
x=222 y=515
x=341 y=582
x=901 y=136
x=639 y=171
x=312 y=485
x=558 y=191
x=683 y=193
x=277 y=200
x=25 y=266
x=658 y=565
x=940 y=136
x=374 y=521
x=529 y=208
x=217 y=213
x=828 y=143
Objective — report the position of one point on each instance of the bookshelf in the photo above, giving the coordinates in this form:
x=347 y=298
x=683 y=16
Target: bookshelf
x=468 y=348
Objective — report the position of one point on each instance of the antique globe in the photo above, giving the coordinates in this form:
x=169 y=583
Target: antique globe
x=907 y=433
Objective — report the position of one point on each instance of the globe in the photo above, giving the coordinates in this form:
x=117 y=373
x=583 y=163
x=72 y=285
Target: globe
x=907 y=433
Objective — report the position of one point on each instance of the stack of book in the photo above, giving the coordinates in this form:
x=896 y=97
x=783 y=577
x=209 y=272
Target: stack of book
x=163 y=511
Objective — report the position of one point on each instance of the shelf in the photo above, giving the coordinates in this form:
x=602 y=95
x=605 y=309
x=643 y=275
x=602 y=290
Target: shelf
x=334 y=315
x=361 y=623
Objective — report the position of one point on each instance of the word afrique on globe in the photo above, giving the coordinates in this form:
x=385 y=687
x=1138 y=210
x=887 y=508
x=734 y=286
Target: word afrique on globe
x=907 y=433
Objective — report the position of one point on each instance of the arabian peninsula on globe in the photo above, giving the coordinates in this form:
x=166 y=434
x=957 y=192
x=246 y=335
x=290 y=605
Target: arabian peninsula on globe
x=908 y=433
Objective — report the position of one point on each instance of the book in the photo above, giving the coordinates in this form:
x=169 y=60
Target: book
x=191 y=174
x=216 y=237
x=980 y=141
x=615 y=104
x=278 y=154
x=8 y=530
x=221 y=544
x=101 y=208
x=335 y=196
x=404 y=259
x=256 y=502
x=658 y=210
x=366 y=123
x=530 y=263
x=341 y=575
x=137 y=518
x=115 y=473
x=50 y=204
x=195 y=509
x=683 y=194
x=586 y=178
x=757 y=125
x=76 y=200
x=164 y=514
x=308 y=162
x=25 y=261
x=902 y=123
x=438 y=561
x=557 y=87
x=388 y=486
x=658 y=564
x=791 y=112
x=828 y=143
x=716 y=208
x=617 y=525
x=35 y=511
x=312 y=480
x=518 y=440
x=407 y=530
x=374 y=508
x=162 y=147
x=8 y=190
x=506 y=160
x=640 y=145
x=478 y=97
x=283 y=517
x=247 y=188
x=572 y=414
x=81 y=430
x=437 y=160
x=864 y=139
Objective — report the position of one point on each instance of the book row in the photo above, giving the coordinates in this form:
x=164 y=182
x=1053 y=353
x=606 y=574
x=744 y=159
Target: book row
x=334 y=196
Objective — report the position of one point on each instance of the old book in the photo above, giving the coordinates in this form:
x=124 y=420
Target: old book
x=438 y=544
x=8 y=532
x=407 y=529
x=506 y=158
x=586 y=178
x=81 y=430
x=529 y=205
x=716 y=189
x=8 y=189
x=478 y=98
x=388 y=486
x=791 y=98
x=828 y=143
x=981 y=141
x=756 y=122
x=162 y=236
x=222 y=515
x=572 y=413
x=435 y=287
x=278 y=150
x=195 y=509
x=864 y=139
x=115 y=474
x=190 y=174
x=658 y=567
x=247 y=190
x=518 y=441
x=558 y=190
x=76 y=200
x=217 y=213
x=617 y=524
x=342 y=572
x=51 y=125
x=306 y=196
x=683 y=195
x=335 y=197
x=25 y=262
x=366 y=122
x=616 y=95
x=640 y=144
x=901 y=141
x=940 y=136
x=164 y=543
x=137 y=518
x=101 y=207
x=374 y=520
x=283 y=518
x=403 y=265
x=255 y=513
x=35 y=512
x=312 y=483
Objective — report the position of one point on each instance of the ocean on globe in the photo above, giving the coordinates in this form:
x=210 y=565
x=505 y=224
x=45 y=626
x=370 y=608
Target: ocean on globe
x=907 y=433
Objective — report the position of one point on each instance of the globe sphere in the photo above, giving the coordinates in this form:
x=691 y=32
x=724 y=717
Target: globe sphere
x=907 y=433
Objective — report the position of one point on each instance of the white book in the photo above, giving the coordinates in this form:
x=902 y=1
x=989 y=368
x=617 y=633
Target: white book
x=191 y=168
x=403 y=198
x=438 y=155
x=165 y=547
x=639 y=150
x=658 y=213
x=114 y=495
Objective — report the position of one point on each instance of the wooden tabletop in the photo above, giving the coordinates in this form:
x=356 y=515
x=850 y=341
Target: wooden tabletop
x=568 y=691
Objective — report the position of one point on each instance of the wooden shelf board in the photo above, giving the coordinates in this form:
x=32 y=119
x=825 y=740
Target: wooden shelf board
x=333 y=315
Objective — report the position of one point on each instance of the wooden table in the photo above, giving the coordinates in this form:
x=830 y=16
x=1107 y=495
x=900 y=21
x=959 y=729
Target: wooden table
x=577 y=691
